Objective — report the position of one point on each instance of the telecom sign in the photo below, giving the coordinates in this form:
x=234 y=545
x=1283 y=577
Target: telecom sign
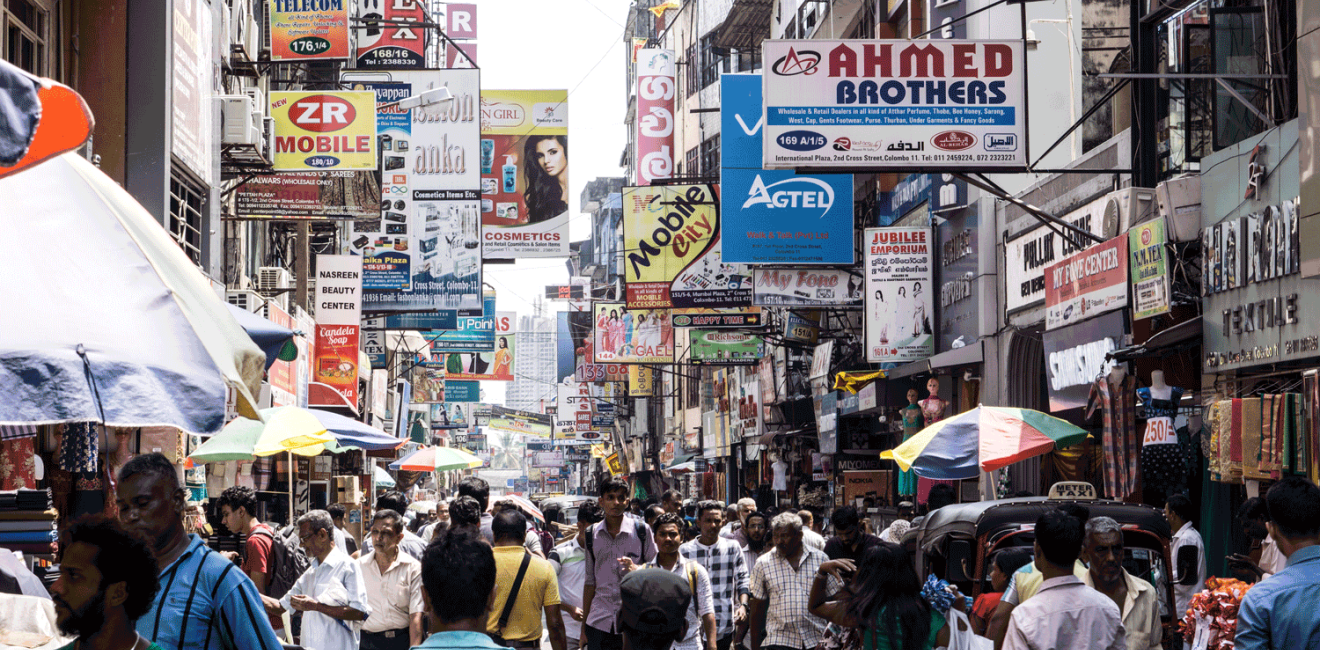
x=775 y=217
x=952 y=104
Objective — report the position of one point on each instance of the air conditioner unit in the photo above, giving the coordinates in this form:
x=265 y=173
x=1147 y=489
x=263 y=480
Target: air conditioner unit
x=243 y=299
x=273 y=278
x=1126 y=208
x=243 y=29
x=1180 y=204
x=236 y=120
x=252 y=37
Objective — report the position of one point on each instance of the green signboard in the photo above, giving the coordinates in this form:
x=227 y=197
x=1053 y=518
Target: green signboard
x=721 y=347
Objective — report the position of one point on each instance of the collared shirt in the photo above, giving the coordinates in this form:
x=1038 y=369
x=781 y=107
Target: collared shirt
x=729 y=576
x=1271 y=560
x=1027 y=580
x=836 y=549
x=1281 y=613
x=727 y=530
x=206 y=602
x=786 y=590
x=459 y=641
x=604 y=572
x=531 y=540
x=395 y=595
x=700 y=604
x=539 y=589
x=1182 y=594
x=569 y=561
x=336 y=581
x=813 y=539
x=1066 y=613
x=341 y=542
x=410 y=544
x=1141 y=612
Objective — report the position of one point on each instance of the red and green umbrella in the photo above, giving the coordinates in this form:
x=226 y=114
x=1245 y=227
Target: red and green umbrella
x=985 y=438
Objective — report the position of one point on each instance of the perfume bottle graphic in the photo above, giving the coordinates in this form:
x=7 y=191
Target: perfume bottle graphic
x=510 y=171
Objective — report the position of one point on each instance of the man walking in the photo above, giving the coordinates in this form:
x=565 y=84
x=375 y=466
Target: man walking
x=618 y=536
x=850 y=542
x=757 y=535
x=724 y=561
x=672 y=501
x=220 y=606
x=569 y=561
x=107 y=580
x=343 y=540
x=780 y=588
x=237 y=505
x=1064 y=613
x=394 y=588
x=411 y=543
x=1135 y=598
x=745 y=506
x=700 y=614
x=810 y=537
x=526 y=587
x=1281 y=613
x=458 y=577
x=331 y=594
x=1188 y=552
x=653 y=612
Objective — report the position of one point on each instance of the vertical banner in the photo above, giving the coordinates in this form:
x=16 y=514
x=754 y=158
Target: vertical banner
x=390 y=45
x=301 y=30
x=1149 y=270
x=190 y=110
x=283 y=375
x=641 y=381
x=656 y=90
x=323 y=130
x=338 y=316
x=524 y=173
x=899 y=290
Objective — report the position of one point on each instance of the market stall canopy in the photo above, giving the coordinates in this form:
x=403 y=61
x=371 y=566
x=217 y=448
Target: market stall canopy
x=436 y=459
x=381 y=477
x=275 y=341
x=105 y=318
x=352 y=433
x=985 y=438
x=286 y=429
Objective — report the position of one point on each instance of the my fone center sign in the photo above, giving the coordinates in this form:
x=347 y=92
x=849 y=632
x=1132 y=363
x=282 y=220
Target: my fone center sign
x=902 y=104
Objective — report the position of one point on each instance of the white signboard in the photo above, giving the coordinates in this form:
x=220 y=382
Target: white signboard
x=1027 y=256
x=875 y=104
x=899 y=291
x=338 y=290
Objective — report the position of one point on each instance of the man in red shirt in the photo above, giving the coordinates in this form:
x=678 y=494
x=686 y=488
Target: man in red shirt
x=237 y=505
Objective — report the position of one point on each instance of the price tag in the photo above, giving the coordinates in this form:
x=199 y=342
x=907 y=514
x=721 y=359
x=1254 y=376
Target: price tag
x=1159 y=431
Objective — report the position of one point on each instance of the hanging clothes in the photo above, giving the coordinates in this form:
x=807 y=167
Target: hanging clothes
x=78 y=447
x=18 y=470
x=1117 y=404
x=912 y=423
x=1257 y=414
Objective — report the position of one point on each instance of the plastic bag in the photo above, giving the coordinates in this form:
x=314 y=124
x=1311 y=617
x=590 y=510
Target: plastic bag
x=961 y=636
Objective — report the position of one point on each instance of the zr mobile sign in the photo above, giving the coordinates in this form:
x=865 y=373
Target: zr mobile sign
x=902 y=104
x=324 y=130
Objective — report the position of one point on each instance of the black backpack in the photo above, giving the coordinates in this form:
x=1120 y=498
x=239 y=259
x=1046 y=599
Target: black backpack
x=639 y=526
x=287 y=561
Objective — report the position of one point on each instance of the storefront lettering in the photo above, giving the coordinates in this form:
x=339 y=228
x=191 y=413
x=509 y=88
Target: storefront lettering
x=956 y=248
x=956 y=290
x=1264 y=314
x=1080 y=365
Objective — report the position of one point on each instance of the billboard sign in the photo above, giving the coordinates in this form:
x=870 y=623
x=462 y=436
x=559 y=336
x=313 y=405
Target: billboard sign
x=656 y=93
x=716 y=347
x=899 y=291
x=632 y=335
x=1027 y=255
x=894 y=104
x=1149 y=269
x=484 y=366
x=775 y=216
x=473 y=333
x=739 y=317
x=301 y=30
x=1087 y=283
x=390 y=45
x=338 y=319
x=809 y=287
x=310 y=195
x=323 y=130
x=450 y=415
x=524 y=173
x=532 y=424
x=1075 y=356
x=462 y=391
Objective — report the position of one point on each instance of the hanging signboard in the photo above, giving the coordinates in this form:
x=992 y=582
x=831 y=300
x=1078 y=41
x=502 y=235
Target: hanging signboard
x=775 y=217
x=1148 y=269
x=396 y=43
x=632 y=335
x=672 y=258
x=1075 y=357
x=641 y=381
x=532 y=424
x=894 y=104
x=323 y=130
x=1027 y=255
x=1087 y=283
x=731 y=318
x=656 y=91
x=806 y=288
x=338 y=319
x=191 y=74
x=473 y=333
x=524 y=173
x=428 y=384
x=307 y=30
x=899 y=305
x=716 y=347
x=309 y=195
x=820 y=360
x=484 y=366
x=450 y=415
x=462 y=391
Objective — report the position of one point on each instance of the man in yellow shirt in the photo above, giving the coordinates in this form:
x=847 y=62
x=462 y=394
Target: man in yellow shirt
x=531 y=583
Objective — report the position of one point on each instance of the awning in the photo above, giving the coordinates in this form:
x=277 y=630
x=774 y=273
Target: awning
x=275 y=341
x=746 y=25
x=1161 y=343
x=974 y=353
x=766 y=439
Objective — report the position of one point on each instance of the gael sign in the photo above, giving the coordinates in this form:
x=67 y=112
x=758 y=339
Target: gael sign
x=874 y=104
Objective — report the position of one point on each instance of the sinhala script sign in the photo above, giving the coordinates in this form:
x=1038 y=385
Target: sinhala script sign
x=939 y=104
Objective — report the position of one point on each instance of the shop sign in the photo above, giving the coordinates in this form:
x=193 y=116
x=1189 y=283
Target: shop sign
x=548 y=459
x=822 y=466
x=1027 y=255
x=575 y=406
x=1091 y=282
x=827 y=422
x=324 y=130
x=338 y=319
x=283 y=375
x=959 y=311
x=802 y=327
x=1149 y=270
x=641 y=381
x=857 y=486
x=310 y=195
x=1075 y=358
x=428 y=384
x=673 y=258
x=899 y=305
x=866 y=397
x=718 y=347
x=473 y=333
x=849 y=403
x=380 y=390
x=894 y=104
x=394 y=46
x=524 y=173
x=749 y=422
x=483 y=366
x=450 y=415
x=308 y=29
x=632 y=335
x=191 y=74
x=724 y=318
x=656 y=91
x=532 y=424
x=776 y=216
x=462 y=391
x=806 y=288
x=613 y=464
x=820 y=359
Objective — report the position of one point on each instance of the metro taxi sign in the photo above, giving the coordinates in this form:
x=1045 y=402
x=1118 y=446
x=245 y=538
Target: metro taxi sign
x=324 y=130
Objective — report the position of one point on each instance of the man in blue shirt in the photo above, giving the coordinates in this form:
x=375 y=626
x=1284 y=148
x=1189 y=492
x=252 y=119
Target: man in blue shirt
x=458 y=580
x=1280 y=612
x=205 y=602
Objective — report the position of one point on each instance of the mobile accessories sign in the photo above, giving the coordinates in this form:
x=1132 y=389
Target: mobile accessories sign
x=934 y=104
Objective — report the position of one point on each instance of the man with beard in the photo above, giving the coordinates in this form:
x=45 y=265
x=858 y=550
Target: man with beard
x=756 y=532
x=107 y=581
x=726 y=565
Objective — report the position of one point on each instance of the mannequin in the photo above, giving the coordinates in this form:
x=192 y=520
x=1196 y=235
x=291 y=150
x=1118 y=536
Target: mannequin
x=1163 y=455
x=933 y=407
x=779 y=475
x=1115 y=394
x=913 y=421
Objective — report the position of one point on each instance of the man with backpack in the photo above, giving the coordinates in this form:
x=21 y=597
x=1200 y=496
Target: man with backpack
x=618 y=537
x=265 y=552
x=701 y=611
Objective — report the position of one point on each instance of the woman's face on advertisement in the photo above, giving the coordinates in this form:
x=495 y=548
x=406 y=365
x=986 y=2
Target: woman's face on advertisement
x=550 y=156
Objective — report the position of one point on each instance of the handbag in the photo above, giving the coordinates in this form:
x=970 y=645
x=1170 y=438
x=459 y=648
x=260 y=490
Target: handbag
x=961 y=636
x=840 y=638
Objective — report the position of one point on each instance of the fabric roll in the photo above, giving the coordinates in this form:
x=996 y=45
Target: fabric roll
x=17 y=467
x=26 y=537
x=1211 y=437
x=78 y=447
x=1256 y=416
x=1235 y=440
x=29 y=515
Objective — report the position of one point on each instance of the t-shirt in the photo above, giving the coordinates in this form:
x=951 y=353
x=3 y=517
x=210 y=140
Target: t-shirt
x=539 y=589
x=985 y=604
x=879 y=640
x=256 y=557
x=73 y=645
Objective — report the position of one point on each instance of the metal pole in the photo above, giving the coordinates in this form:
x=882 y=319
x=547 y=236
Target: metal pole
x=303 y=264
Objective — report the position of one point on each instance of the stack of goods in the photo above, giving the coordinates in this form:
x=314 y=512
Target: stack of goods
x=27 y=521
x=1211 y=620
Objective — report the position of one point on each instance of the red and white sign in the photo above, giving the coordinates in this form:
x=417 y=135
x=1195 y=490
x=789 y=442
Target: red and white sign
x=338 y=303
x=461 y=20
x=396 y=43
x=456 y=59
x=283 y=375
x=656 y=90
x=1087 y=283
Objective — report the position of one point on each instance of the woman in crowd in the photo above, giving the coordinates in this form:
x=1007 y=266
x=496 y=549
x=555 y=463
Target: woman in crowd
x=883 y=599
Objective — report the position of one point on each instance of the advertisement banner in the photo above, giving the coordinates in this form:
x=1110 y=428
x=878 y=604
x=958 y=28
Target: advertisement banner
x=283 y=375
x=1027 y=255
x=802 y=327
x=827 y=422
x=450 y=415
x=575 y=406
x=309 y=195
x=1088 y=283
x=581 y=343
x=656 y=90
x=428 y=384
x=338 y=317
x=859 y=485
x=390 y=45
x=1148 y=269
x=548 y=459
x=898 y=104
x=484 y=366
x=532 y=424
x=191 y=74
x=671 y=239
x=806 y=288
x=473 y=334
x=775 y=217
x=632 y=335
x=899 y=290
x=524 y=173
x=725 y=348
x=423 y=254
x=641 y=381
x=308 y=30
x=462 y=391
x=728 y=318
x=1075 y=356
x=323 y=130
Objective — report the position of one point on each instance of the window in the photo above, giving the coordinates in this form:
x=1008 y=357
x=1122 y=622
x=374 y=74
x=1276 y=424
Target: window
x=712 y=61
x=749 y=60
x=691 y=69
x=710 y=156
x=691 y=389
x=26 y=32
x=692 y=162
x=186 y=203
x=1237 y=45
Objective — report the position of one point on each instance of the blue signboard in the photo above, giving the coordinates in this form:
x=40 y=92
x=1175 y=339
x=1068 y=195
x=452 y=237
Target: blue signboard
x=439 y=319
x=775 y=216
x=472 y=334
x=462 y=391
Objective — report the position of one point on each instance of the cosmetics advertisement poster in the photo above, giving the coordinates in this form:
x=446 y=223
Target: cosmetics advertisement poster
x=484 y=366
x=524 y=173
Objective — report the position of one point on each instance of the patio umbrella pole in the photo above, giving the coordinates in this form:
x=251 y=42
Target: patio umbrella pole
x=293 y=478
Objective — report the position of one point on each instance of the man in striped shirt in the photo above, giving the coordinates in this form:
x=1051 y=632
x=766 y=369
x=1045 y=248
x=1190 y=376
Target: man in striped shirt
x=724 y=560
x=204 y=602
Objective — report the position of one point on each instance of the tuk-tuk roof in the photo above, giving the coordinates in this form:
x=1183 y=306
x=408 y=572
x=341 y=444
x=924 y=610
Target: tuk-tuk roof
x=973 y=520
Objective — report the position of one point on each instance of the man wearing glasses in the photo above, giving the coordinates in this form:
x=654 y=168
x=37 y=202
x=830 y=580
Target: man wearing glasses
x=394 y=588
x=331 y=594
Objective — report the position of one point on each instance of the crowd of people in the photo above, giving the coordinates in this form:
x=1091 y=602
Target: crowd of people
x=694 y=576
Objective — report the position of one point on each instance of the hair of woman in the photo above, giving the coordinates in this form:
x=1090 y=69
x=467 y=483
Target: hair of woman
x=886 y=597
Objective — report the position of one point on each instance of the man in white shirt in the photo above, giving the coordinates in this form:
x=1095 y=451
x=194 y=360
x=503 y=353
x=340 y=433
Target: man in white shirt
x=746 y=506
x=330 y=594
x=700 y=633
x=1065 y=613
x=569 y=562
x=394 y=588
x=810 y=537
x=1188 y=552
x=1136 y=599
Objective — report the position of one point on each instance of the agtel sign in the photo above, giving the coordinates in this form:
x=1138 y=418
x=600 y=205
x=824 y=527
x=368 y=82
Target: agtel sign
x=820 y=195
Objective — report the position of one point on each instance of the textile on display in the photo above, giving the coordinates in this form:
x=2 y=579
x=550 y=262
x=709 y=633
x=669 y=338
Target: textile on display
x=1117 y=403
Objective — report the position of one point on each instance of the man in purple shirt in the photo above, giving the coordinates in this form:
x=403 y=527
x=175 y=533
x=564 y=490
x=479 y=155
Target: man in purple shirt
x=617 y=537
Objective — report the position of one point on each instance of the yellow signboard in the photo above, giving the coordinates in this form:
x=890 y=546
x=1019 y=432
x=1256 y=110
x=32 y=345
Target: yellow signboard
x=641 y=381
x=614 y=464
x=324 y=130
x=598 y=451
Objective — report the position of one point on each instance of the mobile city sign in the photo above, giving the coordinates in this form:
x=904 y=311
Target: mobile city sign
x=897 y=104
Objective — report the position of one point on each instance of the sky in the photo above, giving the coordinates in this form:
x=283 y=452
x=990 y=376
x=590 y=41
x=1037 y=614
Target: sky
x=575 y=45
